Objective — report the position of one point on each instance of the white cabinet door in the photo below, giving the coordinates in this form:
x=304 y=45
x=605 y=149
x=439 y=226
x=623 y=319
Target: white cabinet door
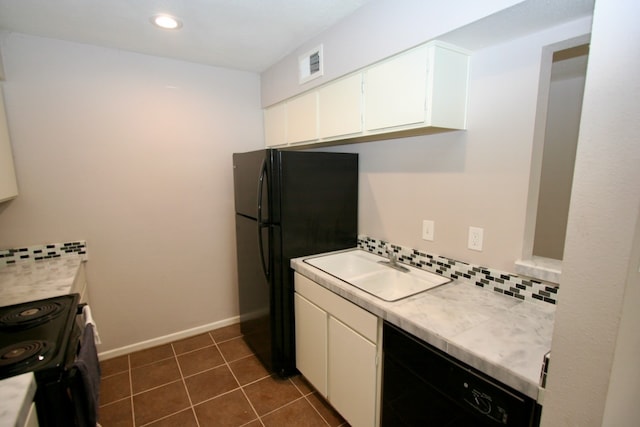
x=352 y=375
x=338 y=361
x=395 y=91
x=8 y=185
x=340 y=107
x=447 y=88
x=311 y=342
x=302 y=118
x=275 y=125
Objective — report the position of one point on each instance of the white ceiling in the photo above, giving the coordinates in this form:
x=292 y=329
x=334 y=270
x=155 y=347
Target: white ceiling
x=241 y=34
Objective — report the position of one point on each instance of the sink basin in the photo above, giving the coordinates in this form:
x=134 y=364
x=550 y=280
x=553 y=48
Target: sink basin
x=364 y=271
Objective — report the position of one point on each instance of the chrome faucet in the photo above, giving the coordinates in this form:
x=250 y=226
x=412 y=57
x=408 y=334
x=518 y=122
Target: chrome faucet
x=393 y=260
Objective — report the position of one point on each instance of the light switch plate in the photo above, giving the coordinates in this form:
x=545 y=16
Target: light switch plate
x=475 y=238
x=428 y=229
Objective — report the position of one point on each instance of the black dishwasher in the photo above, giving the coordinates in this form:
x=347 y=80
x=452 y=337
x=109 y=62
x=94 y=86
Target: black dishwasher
x=422 y=386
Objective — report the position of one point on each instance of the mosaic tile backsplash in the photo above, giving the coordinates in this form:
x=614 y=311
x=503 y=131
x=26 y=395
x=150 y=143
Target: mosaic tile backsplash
x=498 y=281
x=40 y=252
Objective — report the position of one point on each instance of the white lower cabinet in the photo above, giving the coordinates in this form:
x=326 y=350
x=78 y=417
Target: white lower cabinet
x=311 y=342
x=352 y=374
x=338 y=349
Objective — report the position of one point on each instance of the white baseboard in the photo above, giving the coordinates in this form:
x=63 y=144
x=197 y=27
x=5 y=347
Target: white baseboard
x=110 y=354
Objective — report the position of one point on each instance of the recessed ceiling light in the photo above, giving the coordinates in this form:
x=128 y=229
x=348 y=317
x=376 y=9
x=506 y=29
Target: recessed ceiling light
x=167 y=22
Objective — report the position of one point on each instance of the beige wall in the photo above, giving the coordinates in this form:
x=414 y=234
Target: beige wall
x=479 y=177
x=133 y=154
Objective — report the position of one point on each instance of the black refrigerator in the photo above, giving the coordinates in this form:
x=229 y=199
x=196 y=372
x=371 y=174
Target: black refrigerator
x=288 y=204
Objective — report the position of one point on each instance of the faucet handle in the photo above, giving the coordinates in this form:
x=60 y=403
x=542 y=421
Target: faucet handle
x=390 y=252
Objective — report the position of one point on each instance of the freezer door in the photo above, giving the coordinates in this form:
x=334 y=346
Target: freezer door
x=318 y=202
x=251 y=176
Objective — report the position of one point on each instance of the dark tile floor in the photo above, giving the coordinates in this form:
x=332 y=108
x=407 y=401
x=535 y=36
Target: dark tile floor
x=212 y=379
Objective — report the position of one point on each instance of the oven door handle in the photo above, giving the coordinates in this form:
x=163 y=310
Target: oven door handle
x=81 y=306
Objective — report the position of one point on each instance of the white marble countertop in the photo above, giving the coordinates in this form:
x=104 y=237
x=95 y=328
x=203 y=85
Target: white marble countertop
x=16 y=395
x=20 y=283
x=499 y=335
x=36 y=280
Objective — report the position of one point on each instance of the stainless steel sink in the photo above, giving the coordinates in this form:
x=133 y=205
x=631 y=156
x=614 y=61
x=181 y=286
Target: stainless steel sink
x=364 y=271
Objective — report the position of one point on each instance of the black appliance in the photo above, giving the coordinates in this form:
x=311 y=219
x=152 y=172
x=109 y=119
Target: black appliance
x=288 y=204
x=42 y=337
x=422 y=387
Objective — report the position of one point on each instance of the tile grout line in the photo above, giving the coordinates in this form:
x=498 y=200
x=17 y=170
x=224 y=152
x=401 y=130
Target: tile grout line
x=306 y=397
x=226 y=362
x=181 y=379
x=184 y=383
x=151 y=363
x=236 y=378
x=156 y=387
x=133 y=411
x=302 y=394
x=285 y=405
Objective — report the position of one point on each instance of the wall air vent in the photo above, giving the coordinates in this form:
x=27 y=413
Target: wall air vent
x=310 y=65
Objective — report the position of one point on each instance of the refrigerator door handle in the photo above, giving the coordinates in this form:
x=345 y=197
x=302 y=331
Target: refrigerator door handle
x=261 y=224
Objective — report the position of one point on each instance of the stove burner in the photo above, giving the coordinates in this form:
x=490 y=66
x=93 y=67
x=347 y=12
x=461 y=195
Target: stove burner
x=25 y=352
x=27 y=317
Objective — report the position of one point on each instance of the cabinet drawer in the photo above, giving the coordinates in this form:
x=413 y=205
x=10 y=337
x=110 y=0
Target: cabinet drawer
x=357 y=318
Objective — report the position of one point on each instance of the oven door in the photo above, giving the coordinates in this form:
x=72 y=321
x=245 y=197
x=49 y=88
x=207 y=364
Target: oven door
x=62 y=393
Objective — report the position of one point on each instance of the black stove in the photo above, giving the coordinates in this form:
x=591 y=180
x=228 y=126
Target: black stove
x=42 y=337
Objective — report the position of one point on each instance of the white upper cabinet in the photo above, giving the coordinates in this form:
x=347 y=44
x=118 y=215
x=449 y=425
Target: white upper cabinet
x=396 y=91
x=340 y=107
x=447 y=85
x=422 y=88
x=275 y=125
x=302 y=118
x=8 y=185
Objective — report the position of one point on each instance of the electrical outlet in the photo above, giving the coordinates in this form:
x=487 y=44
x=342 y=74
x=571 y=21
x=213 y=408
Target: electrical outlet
x=427 y=229
x=475 y=238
